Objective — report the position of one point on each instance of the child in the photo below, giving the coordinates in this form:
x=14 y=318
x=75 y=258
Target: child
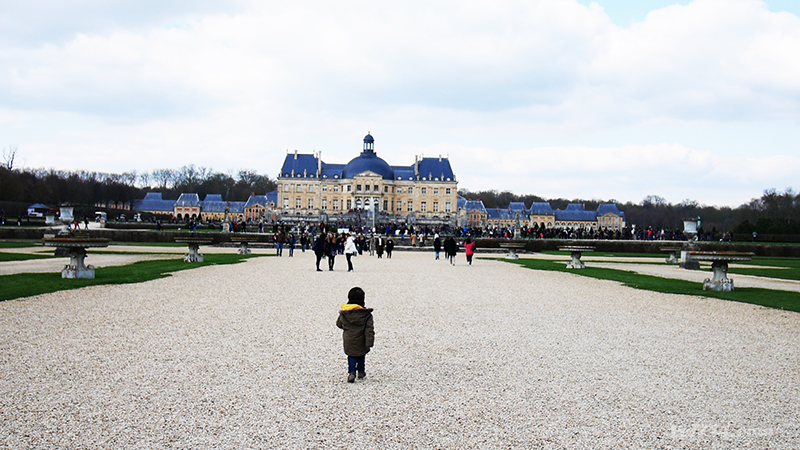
x=358 y=333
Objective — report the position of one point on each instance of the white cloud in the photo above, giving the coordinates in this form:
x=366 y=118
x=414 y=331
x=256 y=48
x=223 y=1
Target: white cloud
x=513 y=91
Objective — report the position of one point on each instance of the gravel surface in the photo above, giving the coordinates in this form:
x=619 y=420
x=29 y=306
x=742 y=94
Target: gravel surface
x=488 y=356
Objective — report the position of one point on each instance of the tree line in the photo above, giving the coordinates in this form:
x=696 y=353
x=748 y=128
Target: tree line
x=774 y=212
x=53 y=187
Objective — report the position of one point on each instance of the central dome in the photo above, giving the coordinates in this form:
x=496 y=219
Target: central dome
x=368 y=160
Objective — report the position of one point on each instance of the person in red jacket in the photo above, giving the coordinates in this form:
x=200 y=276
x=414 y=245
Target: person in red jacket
x=469 y=250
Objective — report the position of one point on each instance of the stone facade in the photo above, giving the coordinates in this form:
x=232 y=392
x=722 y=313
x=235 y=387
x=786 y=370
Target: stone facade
x=309 y=187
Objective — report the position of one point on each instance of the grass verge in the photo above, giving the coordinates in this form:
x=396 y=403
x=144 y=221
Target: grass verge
x=29 y=284
x=764 y=297
x=22 y=256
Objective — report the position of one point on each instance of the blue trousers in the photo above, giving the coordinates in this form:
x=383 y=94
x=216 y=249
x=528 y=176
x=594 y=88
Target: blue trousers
x=355 y=364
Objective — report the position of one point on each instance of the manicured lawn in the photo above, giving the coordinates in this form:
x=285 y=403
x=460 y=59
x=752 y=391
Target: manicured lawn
x=22 y=256
x=764 y=297
x=784 y=268
x=20 y=244
x=29 y=284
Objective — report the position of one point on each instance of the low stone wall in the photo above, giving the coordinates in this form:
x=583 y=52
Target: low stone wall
x=531 y=245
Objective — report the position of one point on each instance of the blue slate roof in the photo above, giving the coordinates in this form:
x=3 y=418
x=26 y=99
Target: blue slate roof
x=299 y=165
x=475 y=204
x=237 y=207
x=404 y=173
x=188 y=200
x=303 y=165
x=576 y=215
x=152 y=201
x=540 y=208
x=213 y=207
x=500 y=214
x=256 y=200
x=575 y=207
x=609 y=208
x=436 y=169
x=332 y=170
x=213 y=198
x=368 y=161
x=272 y=197
x=460 y=202
x=517 y=207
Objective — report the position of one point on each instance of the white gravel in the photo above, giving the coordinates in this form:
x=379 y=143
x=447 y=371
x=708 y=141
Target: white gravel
x=488 y=356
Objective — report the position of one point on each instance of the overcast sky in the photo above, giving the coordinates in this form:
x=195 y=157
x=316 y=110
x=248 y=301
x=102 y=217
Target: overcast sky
x=607 y=99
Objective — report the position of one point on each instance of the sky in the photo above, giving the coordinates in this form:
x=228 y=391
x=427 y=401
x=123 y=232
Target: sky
x=607 y=100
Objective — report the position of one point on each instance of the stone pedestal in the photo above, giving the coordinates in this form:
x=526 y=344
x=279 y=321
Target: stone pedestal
x=719 y=280
x=75 y=248
x=575 y=254
x=76 y=267
x=194 y=254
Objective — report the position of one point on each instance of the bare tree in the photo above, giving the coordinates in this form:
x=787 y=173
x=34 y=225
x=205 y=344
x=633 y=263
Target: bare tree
x=9 y=154
x=164 y=177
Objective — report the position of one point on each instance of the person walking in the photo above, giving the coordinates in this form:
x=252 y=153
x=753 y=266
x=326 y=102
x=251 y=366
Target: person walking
x=319 y=249
x=451 y=249
x=469 y=250
x=358 y=333
x=290 y=242
x=437 y=245
x=350 y=250
x=389 y=247
x=379 y=246
x=330 y=250
x=279 y=241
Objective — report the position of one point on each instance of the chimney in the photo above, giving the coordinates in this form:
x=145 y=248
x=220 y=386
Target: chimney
x=295 y=153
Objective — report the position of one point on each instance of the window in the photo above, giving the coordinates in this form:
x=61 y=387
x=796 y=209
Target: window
x=386 y=205
x=311 y=203
x=386 y=189
x=285 y=188
x=424 y=191
x=366 y=187
x=286 y=203
x=324 y=188
x=410 y=190
x=325 y=203
x=310 y=188
x=375 y=188
x=298 y=203
x=410 y=206
x=335 y=205
x=447 y=191
x=447 y=207
x=399 y=207
x=336 y=189
x=358 y=188
x=349 y=203
x=424 y=206
x=348 y=188
x=435 y=191
x=435 y=206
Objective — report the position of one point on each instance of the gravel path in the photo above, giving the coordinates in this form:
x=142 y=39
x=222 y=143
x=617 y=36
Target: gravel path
x=488 y=356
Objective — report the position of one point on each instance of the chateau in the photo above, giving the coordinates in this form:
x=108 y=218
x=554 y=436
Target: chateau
x=424 y=193
x=427 y=189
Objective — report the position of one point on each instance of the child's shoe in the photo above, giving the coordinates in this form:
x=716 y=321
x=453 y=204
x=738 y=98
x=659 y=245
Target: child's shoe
x=351 y=377
x=361 y=375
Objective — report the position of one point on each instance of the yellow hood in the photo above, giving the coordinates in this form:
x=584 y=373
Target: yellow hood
x=349 y=306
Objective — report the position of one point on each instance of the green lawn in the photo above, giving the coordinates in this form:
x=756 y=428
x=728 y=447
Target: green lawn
x=784 y=268
x=765 y=297
x=22 y=256
x=28 y=284
x=20 y=244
